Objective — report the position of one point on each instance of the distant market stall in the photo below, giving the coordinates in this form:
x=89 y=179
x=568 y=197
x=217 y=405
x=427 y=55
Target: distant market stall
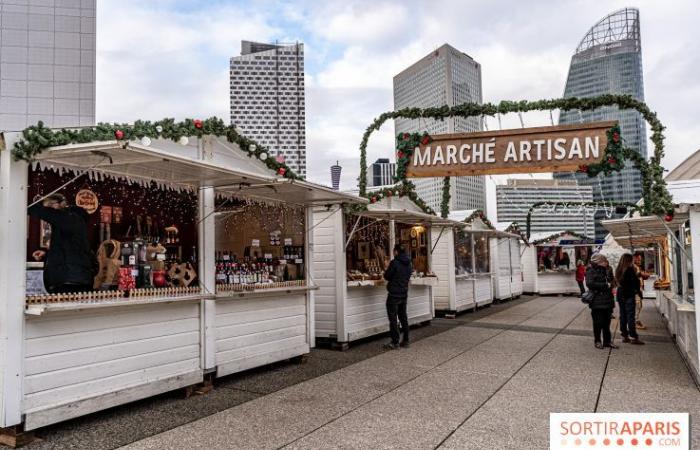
x=352 y=248
x=549 y=262
x=205 y=254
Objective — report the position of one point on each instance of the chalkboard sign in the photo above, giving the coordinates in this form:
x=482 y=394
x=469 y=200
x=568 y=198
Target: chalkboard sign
x=35 y=282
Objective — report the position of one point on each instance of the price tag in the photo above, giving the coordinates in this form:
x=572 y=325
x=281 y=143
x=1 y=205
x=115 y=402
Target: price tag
x=160 y=256
x=256 y=243
x=227 y=258
x=134 y=272
x=288 y=241
x=268 y=255
x=298 y=261
x=282 y=262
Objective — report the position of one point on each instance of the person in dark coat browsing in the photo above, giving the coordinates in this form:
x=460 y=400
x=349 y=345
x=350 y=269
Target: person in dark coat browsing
x=600 y=282
x=69 y=263
x=398 y=275
x=629 y=287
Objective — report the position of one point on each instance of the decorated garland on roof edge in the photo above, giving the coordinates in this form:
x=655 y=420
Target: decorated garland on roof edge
x=554 y=205
x=657 y=200
x=481 y=215
x=556 y=235
x=37 y=138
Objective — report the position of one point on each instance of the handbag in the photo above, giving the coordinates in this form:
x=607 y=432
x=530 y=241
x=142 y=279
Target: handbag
x=587 y=297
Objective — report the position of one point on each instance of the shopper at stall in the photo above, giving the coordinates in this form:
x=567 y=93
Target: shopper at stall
x=398 y=275
x=581 y=275
x=600 y=282
x=628 y=287
x=643 y=276
x=70 y=264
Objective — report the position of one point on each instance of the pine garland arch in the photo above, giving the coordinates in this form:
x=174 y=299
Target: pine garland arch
x=656 y=199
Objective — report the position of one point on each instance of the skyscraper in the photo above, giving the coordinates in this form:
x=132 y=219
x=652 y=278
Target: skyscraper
x=335 y=175
x=267 y=99
x=515 y=199
x=381 y=173
x=47 y=63
x=444 y=77
x=608 y=60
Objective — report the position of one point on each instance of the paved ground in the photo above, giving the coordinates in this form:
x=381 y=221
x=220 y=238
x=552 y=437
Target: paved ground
x=484 y=380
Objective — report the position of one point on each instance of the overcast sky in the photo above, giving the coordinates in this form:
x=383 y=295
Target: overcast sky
x=170 y=58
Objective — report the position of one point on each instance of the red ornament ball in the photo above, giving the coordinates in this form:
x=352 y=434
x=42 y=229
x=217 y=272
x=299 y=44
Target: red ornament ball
x=400 y=155
x=119 y=134
x=373 y=200
x=668 y=217
x=616 y=137
x=425 y=140
x=281 y=171
x=583 y=168
x=197 y=123
x=406 y=136
x=389 y=193
x=612 y=160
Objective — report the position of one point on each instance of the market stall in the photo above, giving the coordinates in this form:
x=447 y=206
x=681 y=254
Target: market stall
x=351 y=250
x=163 y=215
x=675 y=240
x=549 y=262
x=462 y=262
x=506 y=249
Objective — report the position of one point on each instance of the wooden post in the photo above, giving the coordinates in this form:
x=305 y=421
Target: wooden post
x=13 y=252
x=308 y=264
x=206 y=236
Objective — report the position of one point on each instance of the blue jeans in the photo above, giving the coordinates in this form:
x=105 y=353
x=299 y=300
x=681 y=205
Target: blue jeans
x=628 y=326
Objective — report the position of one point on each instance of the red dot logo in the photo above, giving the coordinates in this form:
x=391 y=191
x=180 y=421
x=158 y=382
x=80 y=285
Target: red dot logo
x=591 y=442
x=620 y=442
x=649 y=441
x=606 y=441
x=635 y=441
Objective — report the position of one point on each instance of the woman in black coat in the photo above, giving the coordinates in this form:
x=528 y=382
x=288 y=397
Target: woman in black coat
x=600 y=282
x=629 y=287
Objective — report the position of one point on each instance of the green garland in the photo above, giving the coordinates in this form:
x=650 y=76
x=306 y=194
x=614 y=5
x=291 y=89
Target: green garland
x=36 y=139
x=556 y=235
x=657 y=200
x=514 y=228
x=534 y=206
x=445 y=204
x=481 y=215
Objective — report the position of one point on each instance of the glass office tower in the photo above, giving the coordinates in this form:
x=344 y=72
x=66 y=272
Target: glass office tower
x=608 y=60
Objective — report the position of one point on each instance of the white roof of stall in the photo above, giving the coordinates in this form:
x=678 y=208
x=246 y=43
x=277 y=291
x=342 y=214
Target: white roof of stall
x=402 y=209
x=205 y=162
x=687 y=170
x=556 y=236
x=642 y=231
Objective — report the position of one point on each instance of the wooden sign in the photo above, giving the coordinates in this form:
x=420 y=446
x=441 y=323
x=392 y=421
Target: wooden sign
x=87 y=200
x=561 y=148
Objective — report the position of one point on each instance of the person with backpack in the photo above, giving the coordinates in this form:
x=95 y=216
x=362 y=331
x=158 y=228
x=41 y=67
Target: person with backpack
x=629 y=287
x=398 y=275
x=601 y=301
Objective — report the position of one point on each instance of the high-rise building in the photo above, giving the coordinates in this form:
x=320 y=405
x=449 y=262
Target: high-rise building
x=267 y=99
x=381 y=173
x=335 y=175
x=608 y=60
x=515 y=199
x=444 y=77
x=47 y=63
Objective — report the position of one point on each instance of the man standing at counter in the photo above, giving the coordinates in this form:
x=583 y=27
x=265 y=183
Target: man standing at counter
x=398 y=275
x=69 y=264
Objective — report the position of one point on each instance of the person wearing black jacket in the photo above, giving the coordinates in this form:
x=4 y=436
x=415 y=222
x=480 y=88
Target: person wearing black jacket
x=629 y=287
x=600 y=282
x=69 y=265
x=397 y=275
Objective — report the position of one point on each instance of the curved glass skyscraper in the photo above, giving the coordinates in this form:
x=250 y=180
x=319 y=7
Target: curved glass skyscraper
x=608 y=60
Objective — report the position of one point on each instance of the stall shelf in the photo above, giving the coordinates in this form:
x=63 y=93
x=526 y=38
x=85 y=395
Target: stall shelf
x=544 y=265
x=73 y=356
x=505 y=261
x=351 y=309
x=676 y=241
